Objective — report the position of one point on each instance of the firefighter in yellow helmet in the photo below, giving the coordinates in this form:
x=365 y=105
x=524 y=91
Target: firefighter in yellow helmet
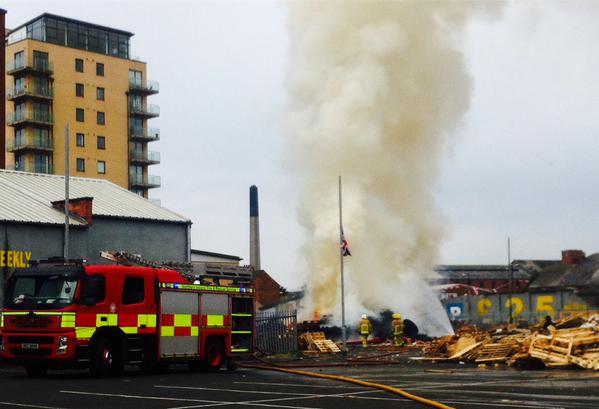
x=365 y=330
x=397 y=325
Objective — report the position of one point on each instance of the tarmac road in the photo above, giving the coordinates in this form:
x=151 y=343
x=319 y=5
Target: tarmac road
x=456 y=385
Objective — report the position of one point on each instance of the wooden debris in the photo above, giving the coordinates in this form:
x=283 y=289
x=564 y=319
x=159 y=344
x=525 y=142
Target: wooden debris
x=575 y=342
x=317 y=342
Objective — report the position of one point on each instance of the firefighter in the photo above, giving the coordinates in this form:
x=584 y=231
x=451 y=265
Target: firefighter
x=397 y=325
x=365 y=330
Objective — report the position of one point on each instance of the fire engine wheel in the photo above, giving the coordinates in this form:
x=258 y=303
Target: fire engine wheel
x=214 y=356
x=105 y=359
x=36 y=370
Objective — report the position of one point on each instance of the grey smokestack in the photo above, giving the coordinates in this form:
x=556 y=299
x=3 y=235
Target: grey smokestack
x=254 y=229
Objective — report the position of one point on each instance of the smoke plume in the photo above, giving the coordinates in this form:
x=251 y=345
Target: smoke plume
x=375 y=91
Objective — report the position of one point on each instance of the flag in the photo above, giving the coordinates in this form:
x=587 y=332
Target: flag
x=344 y=245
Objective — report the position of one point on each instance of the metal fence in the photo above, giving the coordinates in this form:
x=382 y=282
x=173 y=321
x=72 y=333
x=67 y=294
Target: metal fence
x=277 y=332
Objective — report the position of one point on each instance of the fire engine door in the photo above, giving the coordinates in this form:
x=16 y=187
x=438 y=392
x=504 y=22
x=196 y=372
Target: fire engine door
x=179 y=323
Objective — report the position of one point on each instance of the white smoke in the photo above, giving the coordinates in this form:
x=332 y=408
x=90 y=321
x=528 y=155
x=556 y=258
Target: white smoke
x=375 y=91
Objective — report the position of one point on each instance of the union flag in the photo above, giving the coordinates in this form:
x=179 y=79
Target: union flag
x=344 y=245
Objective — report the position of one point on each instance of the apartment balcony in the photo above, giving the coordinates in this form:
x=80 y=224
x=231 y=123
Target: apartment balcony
x=143 y=181
x=14 y=94
x=29 y=117
x=30 y=143
x=144 y=87
x=144 y=134
x=144 y=158
x=33 y=66
x=32 y=168
x=144 y=110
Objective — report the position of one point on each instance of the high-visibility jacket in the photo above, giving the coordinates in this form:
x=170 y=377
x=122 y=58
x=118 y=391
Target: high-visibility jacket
x=397 y=326
x=365 y=327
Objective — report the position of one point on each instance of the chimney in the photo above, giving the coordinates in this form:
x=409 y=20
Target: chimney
x=572 y=257
x=3 y=89
x=81 y=206
x=254 y=229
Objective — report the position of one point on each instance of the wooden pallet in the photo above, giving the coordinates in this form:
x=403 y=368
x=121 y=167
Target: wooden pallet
x=494 y=352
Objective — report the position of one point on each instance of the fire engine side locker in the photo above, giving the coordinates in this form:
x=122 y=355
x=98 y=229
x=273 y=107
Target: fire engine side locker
x=243 y=324
x=179 y=321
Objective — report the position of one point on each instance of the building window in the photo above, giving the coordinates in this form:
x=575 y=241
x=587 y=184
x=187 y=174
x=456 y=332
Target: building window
x=80 y=114
x=80 y=165
x=19 y=59
x=135 y=77
x=101 y=142
x=101 y=167
x=78 y=65
x=40 y=60
x=79 y=90
x=99 y=69
x=100 y=94
x=101 y=118
x=80 y=140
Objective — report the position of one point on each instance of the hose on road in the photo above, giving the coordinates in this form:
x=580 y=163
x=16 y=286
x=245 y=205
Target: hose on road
x=391 y=389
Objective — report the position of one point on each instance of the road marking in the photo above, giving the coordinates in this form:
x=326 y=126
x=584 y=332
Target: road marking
x=210 y=403
x=297 y=385
x=526 y=395
x=25 y=405
x=502 y=404
x=231 y=390
x=117 y=395
x=263 y=402
x=245 y=403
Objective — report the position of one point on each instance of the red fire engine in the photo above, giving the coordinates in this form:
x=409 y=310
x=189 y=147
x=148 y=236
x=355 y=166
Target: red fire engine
x=69 y=314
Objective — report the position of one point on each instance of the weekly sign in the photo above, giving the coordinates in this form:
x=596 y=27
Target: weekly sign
x=14 y=258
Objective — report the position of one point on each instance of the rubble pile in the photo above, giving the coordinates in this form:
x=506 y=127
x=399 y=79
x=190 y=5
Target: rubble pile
x=570 y=342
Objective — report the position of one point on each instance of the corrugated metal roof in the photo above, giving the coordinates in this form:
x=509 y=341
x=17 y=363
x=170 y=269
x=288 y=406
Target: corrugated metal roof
x=27 y=197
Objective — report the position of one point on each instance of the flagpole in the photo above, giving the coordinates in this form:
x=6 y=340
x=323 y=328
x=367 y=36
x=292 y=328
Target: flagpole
x=343 y=329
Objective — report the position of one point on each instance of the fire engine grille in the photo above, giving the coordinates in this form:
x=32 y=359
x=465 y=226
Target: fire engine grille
x=30 y=322
x=30 y=352
x=27 y=339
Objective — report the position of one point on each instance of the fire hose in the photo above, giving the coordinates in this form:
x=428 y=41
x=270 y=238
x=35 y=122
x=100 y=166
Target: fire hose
x=386 y=388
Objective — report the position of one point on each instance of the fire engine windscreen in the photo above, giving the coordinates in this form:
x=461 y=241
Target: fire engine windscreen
x=40 y=292
x=375 y=91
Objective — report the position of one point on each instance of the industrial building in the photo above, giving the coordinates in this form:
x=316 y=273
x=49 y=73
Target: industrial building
x=60 y=72
x=526 y=290
x=102 y=217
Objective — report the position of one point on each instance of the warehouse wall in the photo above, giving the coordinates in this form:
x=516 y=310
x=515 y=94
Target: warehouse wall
x=151 y=239
x=526 y=307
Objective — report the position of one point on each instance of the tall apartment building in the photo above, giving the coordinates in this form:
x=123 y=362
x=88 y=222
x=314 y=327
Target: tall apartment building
x=60 y=72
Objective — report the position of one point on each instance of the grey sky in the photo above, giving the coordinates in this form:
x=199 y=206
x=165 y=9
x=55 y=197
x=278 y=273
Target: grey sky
x=522 y=165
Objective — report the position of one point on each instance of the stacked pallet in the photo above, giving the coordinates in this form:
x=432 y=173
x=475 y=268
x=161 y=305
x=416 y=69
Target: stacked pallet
x=317 y=342
x=566 y=347
x=577 y=345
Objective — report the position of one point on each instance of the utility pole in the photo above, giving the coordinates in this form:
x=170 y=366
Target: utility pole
x=509 y=266
x=66 y=193
x=343 y=329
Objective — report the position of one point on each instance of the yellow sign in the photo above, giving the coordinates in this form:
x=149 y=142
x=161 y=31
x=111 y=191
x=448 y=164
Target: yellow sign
x=516 y=304
x=14 y=258
x=484 y=306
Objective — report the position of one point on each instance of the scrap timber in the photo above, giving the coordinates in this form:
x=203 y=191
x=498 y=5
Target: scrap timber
x=316 y=341
x=570 y=342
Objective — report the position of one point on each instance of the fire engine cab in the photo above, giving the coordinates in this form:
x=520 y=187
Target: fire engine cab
x=70 y=314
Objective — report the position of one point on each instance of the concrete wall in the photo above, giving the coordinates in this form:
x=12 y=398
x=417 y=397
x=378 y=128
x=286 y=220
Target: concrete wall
x=526 y=307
